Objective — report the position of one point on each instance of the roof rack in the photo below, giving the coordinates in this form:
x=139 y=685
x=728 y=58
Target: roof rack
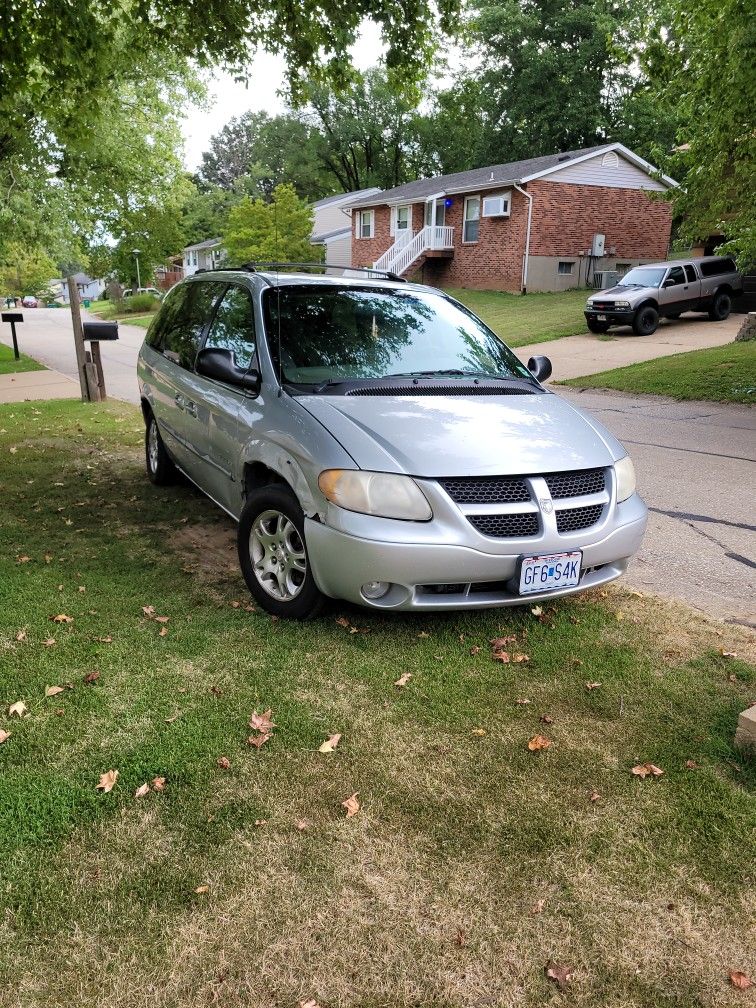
x=255 y=267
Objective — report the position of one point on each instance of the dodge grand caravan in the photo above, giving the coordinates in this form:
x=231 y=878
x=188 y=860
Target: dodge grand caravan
x=377 y=443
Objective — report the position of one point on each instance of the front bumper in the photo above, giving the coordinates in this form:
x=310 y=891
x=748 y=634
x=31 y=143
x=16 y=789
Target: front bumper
x=613 y=317
x=437 y=576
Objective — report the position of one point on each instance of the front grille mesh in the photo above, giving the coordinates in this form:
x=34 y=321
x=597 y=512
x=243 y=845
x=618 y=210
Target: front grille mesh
x=487 y=490
x=576 y=484
x=572 y=519
x=506 y=526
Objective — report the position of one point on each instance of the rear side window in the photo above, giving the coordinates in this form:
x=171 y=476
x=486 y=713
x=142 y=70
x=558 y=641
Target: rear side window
x=182 y=330
x=233 y=327
x=716 y=267
x=171 y=304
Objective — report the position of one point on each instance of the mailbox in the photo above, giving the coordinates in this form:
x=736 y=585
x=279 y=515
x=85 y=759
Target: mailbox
x=12 y=316
x=96 y=331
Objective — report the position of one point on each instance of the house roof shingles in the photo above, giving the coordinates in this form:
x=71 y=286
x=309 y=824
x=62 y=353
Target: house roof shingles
x=503 y=174
x=340 y=197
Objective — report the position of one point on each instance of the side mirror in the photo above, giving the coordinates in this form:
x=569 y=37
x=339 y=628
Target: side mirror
x=215 y=363
x=540 y=367
x=669 y=283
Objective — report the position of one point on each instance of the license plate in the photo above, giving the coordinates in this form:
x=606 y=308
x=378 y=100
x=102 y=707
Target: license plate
x=601 y=318
x=547 y=573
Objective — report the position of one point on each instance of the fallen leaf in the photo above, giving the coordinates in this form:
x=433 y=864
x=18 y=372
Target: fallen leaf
x=18 y=709
x=403 y=679
x=423 y=634
x=148 y=610
x=499 y=643
x=459 y=937
x=740 y=980
x=162 y=619
x=309 y=1003
x=163 y=632
x=342 y=621
x=560 y=974
x=351 y=805
x=643 y=770
x=546 y=719
x=202 y=889
x=4 y=735
x=330 y=744
x=261 y=722
x=691 y=764
x=258 y=740
x=592 y=685
x=23 y=559
x=82 y=589
x=142 y=790
x=172 y=718
x=235 y=604
x=107 y=781
x=501 y=656
x=538 y=906
x=479 y=731
x=729 y=654
x=49 y=642
x=91 y=677
x=302 y=824
x=523 y=701
x=158 y=784
x=620 y=615
x=594 y=796
x=21 y=636
x=104 y=640
x=537 y=610
x=261 y=822
x=520 y=658
x=538 y=742
x=13 y=450
x=475 y=650
x=223 y=762
x=61 y=618
x=53 y=690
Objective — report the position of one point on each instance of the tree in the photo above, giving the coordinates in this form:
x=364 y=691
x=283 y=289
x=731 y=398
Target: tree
x=232 y=150
x=25 y=270
x=278 y=231
x=205 y=213
x=703 y=55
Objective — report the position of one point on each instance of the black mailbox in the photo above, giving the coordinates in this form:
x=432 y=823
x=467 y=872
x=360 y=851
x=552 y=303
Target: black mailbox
x=96 y=331
x=12 y=316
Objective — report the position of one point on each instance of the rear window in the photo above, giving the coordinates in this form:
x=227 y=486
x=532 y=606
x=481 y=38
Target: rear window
x=715 y=267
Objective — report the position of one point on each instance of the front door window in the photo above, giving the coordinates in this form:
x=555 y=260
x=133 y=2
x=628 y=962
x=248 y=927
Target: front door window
x=439 y=218
x=403 y=219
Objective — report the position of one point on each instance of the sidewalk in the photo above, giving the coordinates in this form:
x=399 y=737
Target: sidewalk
x=35 y=385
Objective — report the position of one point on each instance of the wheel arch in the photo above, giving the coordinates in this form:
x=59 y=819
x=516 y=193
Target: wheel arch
x=648 y=303
x=271 y=465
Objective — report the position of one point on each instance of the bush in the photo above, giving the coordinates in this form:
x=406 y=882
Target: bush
x=138 y=304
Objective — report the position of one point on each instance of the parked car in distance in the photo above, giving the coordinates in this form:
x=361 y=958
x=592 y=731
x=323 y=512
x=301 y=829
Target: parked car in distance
x=143 y=290
x=376 y=442
x=666 y=290
x=29 y=301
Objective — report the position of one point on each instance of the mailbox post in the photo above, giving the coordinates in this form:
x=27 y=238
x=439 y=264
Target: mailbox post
x=13 y=317
x=93 y=333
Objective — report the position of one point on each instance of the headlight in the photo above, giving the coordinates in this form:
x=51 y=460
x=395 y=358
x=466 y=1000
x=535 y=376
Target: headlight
x=621 y=304
x=625 y=472
x=589 y=305
x=385 y=495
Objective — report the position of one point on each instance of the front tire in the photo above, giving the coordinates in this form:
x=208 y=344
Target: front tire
x=160 y=469
x=273 y=554
x=598 y=327
x=721 y=307
x=646 y=320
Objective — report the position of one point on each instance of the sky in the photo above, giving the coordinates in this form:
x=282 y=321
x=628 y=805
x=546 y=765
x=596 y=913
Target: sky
x=229 y=99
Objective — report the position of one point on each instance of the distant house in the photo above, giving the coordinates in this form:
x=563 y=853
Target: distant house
x=204 y=255
x=86 y=286
x=543 y=224
x=332 y=225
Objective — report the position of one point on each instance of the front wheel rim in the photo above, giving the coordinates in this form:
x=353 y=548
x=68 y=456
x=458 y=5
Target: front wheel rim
x=278 y=556
x=153 y=447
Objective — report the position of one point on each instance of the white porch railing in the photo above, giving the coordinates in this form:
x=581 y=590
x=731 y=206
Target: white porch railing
x=403 y=238
x=404 y=252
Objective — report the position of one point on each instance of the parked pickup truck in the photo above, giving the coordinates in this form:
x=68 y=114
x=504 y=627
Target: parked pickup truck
x=666 y=290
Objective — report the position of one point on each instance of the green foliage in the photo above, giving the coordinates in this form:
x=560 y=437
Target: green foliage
x=25 y=270
x=703 y=55
x=156 y=229
x=269 y=232
x=138 y=304
x=205 y=211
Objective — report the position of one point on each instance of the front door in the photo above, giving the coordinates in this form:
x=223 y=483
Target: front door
x=435 y=212
x=674 y=290
x=403 y=224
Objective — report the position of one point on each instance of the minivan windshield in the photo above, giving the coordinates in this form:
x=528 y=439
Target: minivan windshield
x=332 y=334
x=644 y=276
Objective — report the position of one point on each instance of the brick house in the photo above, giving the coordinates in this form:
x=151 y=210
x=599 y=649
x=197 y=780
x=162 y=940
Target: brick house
x=544 y=224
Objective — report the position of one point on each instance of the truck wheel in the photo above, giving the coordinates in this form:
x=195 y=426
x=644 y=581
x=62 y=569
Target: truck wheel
x=721 y=307
x=160 y=468
x=598 y=327
x=646 y=320
x=273 y=554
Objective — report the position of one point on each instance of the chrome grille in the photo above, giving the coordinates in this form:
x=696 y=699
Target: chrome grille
x=487 y=490
x=576 y=484
x=572 y=519
x=507 y=525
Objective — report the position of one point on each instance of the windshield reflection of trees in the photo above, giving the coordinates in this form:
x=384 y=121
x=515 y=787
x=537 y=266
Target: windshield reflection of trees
x=365 y=334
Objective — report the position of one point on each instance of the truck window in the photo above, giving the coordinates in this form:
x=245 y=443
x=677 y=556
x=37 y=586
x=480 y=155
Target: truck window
x=690 y=273
x=716 y=267
x=675 y=276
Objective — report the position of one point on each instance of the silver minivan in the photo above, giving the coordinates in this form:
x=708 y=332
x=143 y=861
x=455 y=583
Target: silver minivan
x=377 y=443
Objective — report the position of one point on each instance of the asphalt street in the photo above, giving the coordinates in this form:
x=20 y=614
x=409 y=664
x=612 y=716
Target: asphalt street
x=696 y=462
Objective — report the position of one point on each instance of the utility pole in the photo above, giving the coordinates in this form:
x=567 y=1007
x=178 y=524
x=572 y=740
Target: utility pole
x=78 y=333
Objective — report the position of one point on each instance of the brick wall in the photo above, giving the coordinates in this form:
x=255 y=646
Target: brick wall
x=565 y=218
x=365 y=251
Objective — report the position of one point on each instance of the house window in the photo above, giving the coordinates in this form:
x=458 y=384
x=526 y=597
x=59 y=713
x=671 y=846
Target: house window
x=403 y=218
x=440 y=213
x=609 y=160
x=565 y=267
x=472 y=219
x=365 y=223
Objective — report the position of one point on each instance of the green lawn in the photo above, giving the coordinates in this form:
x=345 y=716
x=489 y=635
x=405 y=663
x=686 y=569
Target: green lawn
x=106 y=311
x=9 y=365
x=720 y=374
x=472 y=860
x=530 y=318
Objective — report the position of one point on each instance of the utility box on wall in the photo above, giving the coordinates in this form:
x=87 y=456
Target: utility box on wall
x=597 y=245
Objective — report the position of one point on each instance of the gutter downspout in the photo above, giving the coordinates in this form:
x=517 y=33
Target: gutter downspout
x=529 y=198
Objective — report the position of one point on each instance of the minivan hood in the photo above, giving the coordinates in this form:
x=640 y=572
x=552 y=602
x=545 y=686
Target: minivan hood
x=465 y=435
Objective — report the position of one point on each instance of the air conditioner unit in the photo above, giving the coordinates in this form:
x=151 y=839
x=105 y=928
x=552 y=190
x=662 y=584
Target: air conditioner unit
x=605 y=278
x=497 y=206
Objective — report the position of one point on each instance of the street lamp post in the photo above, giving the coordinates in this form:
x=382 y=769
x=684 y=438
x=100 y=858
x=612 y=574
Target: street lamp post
x=135 y=253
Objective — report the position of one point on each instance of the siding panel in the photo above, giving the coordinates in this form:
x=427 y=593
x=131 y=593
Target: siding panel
x=592 y=172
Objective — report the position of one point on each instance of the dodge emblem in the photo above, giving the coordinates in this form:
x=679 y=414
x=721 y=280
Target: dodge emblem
x=547 y=505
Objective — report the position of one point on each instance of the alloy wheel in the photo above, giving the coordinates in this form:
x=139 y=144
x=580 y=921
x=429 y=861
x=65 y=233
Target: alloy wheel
x=153 y=446
x=278 y=555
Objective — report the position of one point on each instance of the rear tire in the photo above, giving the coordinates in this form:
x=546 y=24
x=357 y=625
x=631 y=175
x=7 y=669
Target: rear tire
x=721 y=307
x=598 y=327
x=160 y=469
x=273 y=554
x=646 y=320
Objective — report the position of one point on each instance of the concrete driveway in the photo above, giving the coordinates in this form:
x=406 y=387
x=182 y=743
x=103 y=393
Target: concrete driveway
x=695 y=461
